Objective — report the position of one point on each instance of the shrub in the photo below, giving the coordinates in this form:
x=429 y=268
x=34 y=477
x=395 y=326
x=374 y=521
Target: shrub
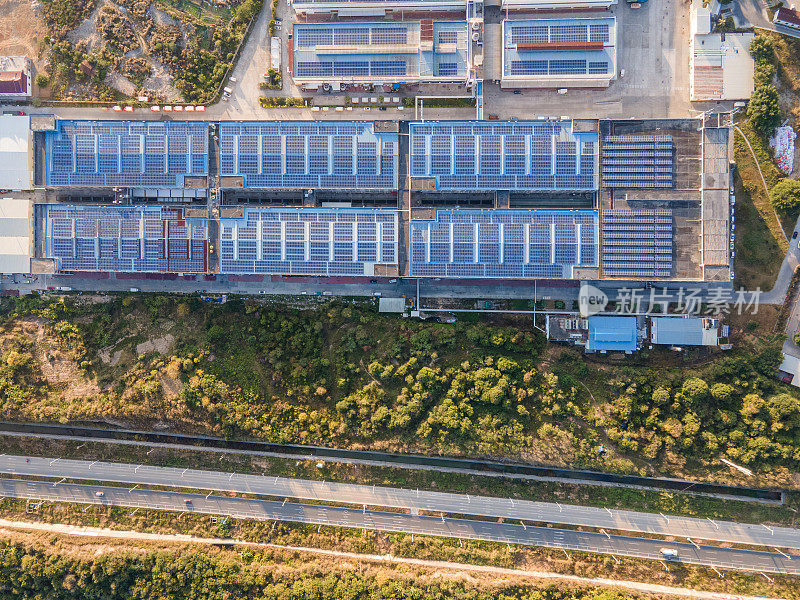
x=763 y=73
x=764 y=109
x=786 y=195
x=761 y=49
x=42 y=80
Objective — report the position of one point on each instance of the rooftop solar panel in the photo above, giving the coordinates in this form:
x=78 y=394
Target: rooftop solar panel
x=129 y=239
x=319 y=155
x=308 y=241
x=506 y=243
x=520 y=155
x=125 y=153
x=637 y=243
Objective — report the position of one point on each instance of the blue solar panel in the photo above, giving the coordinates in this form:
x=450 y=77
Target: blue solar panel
x=532 y=155
x=114 y=238
x=309 y=155
x=307 y=241
x=512 y=243
x=125 y=153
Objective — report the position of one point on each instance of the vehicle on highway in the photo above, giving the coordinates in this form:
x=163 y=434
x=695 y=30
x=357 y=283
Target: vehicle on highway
x=669 y=553
x=99 y=494
x=794 y=235
x=187 y=501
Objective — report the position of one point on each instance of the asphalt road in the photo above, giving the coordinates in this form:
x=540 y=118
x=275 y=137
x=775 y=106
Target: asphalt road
x=240 y=508
x=413 y=500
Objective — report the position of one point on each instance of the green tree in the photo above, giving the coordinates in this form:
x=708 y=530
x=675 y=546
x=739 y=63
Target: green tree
x=761 y=49
x=42 y=80
x=764 y=110
x=786 y=195
x=763 y=73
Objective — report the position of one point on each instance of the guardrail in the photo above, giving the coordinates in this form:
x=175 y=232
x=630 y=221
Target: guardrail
x=407 y=461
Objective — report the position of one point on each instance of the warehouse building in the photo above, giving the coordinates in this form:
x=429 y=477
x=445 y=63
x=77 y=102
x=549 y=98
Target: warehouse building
x=504 y=243
x=376 y=8
x=125 y=238
x=309 y=241
x=16 y=153
x=518 y=155
x=556 y=53
x=307 y=155
x=381 y=53
x=158 y=154
x=556 y=5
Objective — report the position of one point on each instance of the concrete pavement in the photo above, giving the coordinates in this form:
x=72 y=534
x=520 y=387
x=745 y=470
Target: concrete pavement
x=412 y=500
x=240 y=508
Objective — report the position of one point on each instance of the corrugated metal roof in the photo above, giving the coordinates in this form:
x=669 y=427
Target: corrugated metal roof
x=677 y=332
x=611 y=333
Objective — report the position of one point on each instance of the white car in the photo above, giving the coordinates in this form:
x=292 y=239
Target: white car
x=669 y=553
x=99 y=494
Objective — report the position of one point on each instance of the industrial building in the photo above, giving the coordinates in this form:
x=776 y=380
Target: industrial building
x=508 y=244
x=691 y=331
x=16 y=153
x=375 y=53
x=125 y=238
x=519 y=155
x=555 y=5
x=15 y=235
x=307 y=155
x=562 y=199
x=309 y=241
x=163 y=154
x=376 y=8
x=720 y=64
x=612 y=334
x=556 y=53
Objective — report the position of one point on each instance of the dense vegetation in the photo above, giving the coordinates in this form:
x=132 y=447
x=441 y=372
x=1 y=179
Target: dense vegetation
x=763 y=108
x=196 y=43
x=340 y=374
x=28 y=574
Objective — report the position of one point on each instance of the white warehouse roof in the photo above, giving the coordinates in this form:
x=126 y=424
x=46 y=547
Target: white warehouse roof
x=15 y=235
x=16 y=164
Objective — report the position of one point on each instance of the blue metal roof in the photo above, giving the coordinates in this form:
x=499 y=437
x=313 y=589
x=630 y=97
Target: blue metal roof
x=504 y=155
x=504 y=243
x=308 y=154
x=308 y=241
x=611 y=333
x=125 y=153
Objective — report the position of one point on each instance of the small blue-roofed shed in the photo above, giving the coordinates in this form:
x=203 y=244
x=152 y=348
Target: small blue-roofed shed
x=615 y=334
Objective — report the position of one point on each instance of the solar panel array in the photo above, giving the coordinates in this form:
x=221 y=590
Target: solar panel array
x=308 y=241
x=310 y=36
x=638 y=161
x=637 y=243
x=559 y=66
x=507 y=155
x=125 y=153
x=559 y=33
x=297 y=155
x=504 y=243
x=130 y=239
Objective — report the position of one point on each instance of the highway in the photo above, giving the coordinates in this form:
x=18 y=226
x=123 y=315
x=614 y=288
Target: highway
x=412 y=500
x=462 y=529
